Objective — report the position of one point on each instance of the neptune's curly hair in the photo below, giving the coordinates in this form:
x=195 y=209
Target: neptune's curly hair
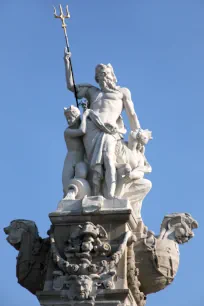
x=102 y=67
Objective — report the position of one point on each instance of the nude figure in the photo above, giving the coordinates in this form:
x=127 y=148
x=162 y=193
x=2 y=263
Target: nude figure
x=74 y=165
x=104 y=126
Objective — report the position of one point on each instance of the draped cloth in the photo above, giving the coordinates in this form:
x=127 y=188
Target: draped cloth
x=97 y=139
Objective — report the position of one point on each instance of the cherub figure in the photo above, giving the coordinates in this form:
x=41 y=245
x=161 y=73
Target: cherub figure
x=74 y=165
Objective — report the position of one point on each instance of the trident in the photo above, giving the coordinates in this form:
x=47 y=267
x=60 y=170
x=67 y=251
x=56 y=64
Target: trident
x=64 y=26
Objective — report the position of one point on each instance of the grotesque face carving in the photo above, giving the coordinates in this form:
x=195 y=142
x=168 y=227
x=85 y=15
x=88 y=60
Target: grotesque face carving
x=182 y=235
x=87 y=244
x=183 y=231
x=181 y=225
x=80 y=287
x=83 y=287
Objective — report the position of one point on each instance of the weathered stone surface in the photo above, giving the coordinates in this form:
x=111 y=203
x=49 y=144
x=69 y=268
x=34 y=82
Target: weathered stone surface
x=94 y=204
x=69 y=205
x=31 y=263
x=98 y=261
x=158 y=256
x=91 y=256
x=110 y=215
x=115 y=297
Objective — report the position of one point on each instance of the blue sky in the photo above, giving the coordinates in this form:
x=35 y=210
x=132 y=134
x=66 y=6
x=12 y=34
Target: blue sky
x=156 y=48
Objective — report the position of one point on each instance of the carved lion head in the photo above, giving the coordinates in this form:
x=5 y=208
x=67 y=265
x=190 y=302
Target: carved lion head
x=17 y=228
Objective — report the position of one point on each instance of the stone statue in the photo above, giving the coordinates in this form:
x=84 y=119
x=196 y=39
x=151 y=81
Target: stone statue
x=74 y=165
x=158 y=256
x=75 y=170
x=132 y=165
x=99 y=251
x=104 y=125
x=33 y=250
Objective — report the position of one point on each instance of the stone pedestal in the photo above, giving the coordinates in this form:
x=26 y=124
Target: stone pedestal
x=89 y=236
x=97 y=253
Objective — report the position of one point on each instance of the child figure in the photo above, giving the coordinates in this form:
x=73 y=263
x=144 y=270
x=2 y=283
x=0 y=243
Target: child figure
x=74 y=165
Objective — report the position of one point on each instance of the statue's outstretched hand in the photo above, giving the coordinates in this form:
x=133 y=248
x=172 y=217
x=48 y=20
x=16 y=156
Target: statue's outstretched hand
x=67 y=55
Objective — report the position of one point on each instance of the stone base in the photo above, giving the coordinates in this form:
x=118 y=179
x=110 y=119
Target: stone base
x=92 y=204
x=119 y=297
x=95 y=209
x=69 y=205
x=117 y=220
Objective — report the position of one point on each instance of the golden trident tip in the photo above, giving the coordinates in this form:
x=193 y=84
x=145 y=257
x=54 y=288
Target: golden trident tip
x=62 y=16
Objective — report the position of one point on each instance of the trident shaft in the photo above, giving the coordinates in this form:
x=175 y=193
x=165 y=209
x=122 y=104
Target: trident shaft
x=64 y=26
